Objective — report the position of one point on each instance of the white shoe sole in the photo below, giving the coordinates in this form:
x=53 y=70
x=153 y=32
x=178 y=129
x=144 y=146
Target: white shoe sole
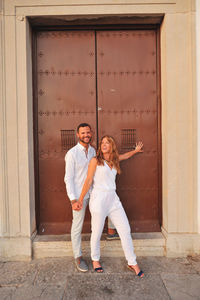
x=81 y=270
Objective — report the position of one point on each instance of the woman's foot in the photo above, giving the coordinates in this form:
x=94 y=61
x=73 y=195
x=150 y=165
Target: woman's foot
x=136 y=270
x=97 y=267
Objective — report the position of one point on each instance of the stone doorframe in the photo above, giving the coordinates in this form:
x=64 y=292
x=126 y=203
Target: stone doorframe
x=178 y=98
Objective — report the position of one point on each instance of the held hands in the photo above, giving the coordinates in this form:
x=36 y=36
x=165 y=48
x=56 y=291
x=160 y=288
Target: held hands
x=77 y=205
x=138 y=147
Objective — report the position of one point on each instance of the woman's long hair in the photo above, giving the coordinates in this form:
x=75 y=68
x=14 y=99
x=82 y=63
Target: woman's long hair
x=114 y=155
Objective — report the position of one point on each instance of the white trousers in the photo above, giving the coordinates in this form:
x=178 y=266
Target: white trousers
x=110 y=224
x=76 y=229
x=119 y=219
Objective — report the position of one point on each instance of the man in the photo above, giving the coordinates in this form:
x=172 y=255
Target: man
x=76 y=165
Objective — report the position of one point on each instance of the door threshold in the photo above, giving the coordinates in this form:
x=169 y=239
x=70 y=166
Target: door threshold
x=145 y=244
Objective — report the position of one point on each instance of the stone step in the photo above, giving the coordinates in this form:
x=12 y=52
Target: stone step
x=146 y=244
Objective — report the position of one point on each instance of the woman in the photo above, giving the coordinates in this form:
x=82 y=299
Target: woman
x=104 y=201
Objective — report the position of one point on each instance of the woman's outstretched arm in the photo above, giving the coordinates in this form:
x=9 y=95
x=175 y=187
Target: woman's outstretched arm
x=138 y=148
x=88 y=181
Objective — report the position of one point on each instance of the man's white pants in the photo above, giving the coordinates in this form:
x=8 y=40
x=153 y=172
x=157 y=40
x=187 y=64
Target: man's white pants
x=110 y=224
x=119 y=219
x=76 y=229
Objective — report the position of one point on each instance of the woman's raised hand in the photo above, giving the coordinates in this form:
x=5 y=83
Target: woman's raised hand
x=138 y=147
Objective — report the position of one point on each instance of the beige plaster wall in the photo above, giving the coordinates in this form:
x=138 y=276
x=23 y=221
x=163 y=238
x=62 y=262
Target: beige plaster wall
x=179 y=122
x=198 y=102
x=17 y=181
x=87 y=7
x=3 y=180
x=178 y=109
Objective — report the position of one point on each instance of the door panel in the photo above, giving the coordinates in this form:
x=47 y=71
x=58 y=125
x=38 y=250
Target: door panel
x=127 y=102
x=66 y=86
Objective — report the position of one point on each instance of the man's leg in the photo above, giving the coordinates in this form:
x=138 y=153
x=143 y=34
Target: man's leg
x=76 y=230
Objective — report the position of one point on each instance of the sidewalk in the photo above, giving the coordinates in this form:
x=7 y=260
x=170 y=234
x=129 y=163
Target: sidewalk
x=57 y=278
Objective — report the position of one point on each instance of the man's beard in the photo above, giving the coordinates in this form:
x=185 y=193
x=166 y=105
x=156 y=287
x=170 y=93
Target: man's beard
x=81 y=140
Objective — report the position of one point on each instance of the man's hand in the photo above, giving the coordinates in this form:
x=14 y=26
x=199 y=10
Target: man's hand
x=76 y=205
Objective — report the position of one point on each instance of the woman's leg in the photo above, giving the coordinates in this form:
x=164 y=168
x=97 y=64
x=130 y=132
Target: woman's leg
x=120 y=221
x=98 y=220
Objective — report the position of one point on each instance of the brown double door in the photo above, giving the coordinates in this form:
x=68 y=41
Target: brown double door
x=110 y=80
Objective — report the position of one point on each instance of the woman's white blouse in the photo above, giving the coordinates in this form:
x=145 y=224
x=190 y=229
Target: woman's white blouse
x=103 y=198
x=104 y=178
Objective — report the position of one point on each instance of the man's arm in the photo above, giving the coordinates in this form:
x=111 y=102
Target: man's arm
x=69 y=176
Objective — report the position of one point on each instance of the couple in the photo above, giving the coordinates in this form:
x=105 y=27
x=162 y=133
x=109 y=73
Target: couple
x=104 y=201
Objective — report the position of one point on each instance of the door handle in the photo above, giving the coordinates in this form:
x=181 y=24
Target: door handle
x=99 y=108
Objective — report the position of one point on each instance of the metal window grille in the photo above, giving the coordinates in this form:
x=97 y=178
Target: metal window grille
x=128 y=139
x=68 y=139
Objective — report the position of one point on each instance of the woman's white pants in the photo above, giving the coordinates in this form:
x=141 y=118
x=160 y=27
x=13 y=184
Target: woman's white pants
x=76 y=229
x=119 y=219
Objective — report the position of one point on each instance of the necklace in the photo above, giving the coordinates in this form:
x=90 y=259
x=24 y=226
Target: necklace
x=108 y=161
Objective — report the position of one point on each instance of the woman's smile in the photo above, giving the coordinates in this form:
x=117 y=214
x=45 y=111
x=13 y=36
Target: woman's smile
x=105 y=146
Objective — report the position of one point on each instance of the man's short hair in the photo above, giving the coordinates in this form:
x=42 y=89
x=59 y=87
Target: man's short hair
x=83 y=125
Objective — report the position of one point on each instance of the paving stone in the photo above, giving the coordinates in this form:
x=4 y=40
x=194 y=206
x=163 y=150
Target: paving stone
x=152 y=265
x=115 y=286
x=182 y=286
x=195 y=262
x=113 y=265
x=53 y=270
x=158 y=265
x=6 y=292
x=53 y=292
x=35 y=292
x=16 y=273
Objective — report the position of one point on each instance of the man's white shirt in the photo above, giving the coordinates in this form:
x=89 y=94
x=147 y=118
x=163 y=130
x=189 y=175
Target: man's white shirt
x=76 y=167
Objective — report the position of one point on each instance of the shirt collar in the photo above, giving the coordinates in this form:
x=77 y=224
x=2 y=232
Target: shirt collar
x=82 y=147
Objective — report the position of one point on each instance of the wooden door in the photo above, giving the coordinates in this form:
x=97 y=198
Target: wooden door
x=108 y=79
